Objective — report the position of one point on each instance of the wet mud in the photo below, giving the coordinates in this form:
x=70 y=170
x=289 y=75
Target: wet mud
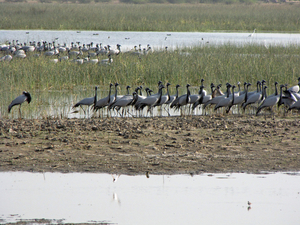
x=160 y=145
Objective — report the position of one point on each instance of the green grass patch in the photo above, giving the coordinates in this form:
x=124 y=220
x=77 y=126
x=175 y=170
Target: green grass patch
x=151 y=17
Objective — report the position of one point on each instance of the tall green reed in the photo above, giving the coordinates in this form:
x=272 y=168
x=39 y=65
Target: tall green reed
x=151 y=17
x=226 y=63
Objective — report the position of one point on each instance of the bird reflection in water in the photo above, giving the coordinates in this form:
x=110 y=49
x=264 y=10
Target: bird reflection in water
x=116 y=198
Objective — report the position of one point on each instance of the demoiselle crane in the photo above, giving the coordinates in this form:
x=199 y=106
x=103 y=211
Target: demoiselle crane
x=87 y=101
x=19 y=100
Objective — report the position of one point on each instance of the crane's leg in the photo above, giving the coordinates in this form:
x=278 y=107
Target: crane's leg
x=20 y=115
x=167 y=111
x=130 y=114
x=123 y=112
x=83 y=109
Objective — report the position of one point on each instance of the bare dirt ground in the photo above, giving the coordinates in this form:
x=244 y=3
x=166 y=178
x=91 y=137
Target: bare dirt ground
x=161 y=145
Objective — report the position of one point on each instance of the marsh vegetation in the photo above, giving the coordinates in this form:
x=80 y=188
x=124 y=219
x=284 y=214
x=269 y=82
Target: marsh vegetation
x=155 y=145
x=151 y=17
x=217 y=64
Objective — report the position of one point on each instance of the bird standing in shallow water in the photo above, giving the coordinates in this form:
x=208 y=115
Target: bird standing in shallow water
x=251 y=35
x=19 y=100
x=87 y=101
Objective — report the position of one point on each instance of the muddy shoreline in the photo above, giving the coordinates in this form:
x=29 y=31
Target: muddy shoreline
x=160 y=145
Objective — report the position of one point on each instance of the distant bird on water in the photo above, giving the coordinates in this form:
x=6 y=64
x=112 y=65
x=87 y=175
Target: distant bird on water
x=251 y=35
x=19 y=100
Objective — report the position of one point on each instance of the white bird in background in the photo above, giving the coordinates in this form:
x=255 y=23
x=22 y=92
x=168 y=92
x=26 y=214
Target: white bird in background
x=107 y=61
x=296 y=105
x=6 y=58
x=114 y=51
x=251 y=35
x=19 y=100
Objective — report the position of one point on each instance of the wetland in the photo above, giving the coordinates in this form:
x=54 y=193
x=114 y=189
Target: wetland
x=70 y=160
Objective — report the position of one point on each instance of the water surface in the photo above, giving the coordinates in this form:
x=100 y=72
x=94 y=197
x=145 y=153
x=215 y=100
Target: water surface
x=160 y=199
x=158 y=40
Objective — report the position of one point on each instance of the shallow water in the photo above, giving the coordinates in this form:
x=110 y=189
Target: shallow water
x=59 y=104
x=159 y=199
x=157 y=40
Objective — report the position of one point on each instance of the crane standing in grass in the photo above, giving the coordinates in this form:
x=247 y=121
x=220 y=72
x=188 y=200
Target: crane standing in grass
x=87 y=101
x=19 y=100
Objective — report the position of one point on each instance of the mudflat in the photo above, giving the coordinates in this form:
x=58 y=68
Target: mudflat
x=159 y=145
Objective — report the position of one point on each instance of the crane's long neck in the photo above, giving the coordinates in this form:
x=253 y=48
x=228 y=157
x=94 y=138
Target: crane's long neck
x=200 y=90
x=109 y=94
x=160 y=94
x=246 y=94
x=95 y=99
x=168 y=93
x=116 y=92
x=188 y=93
x=262 y=91
x=228 y=91
x=276 y=91
x=177 y=92
x=265 y=93
x=134 y=98
x=201 y=95
x=280 y=96
x=213 y=94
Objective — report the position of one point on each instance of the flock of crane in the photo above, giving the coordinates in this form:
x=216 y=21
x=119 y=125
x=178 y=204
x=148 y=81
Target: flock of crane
x=135 y=103
x=85 y=53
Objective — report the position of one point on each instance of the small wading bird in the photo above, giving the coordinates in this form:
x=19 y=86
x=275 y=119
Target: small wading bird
x=19 y=100
x=251 y=35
